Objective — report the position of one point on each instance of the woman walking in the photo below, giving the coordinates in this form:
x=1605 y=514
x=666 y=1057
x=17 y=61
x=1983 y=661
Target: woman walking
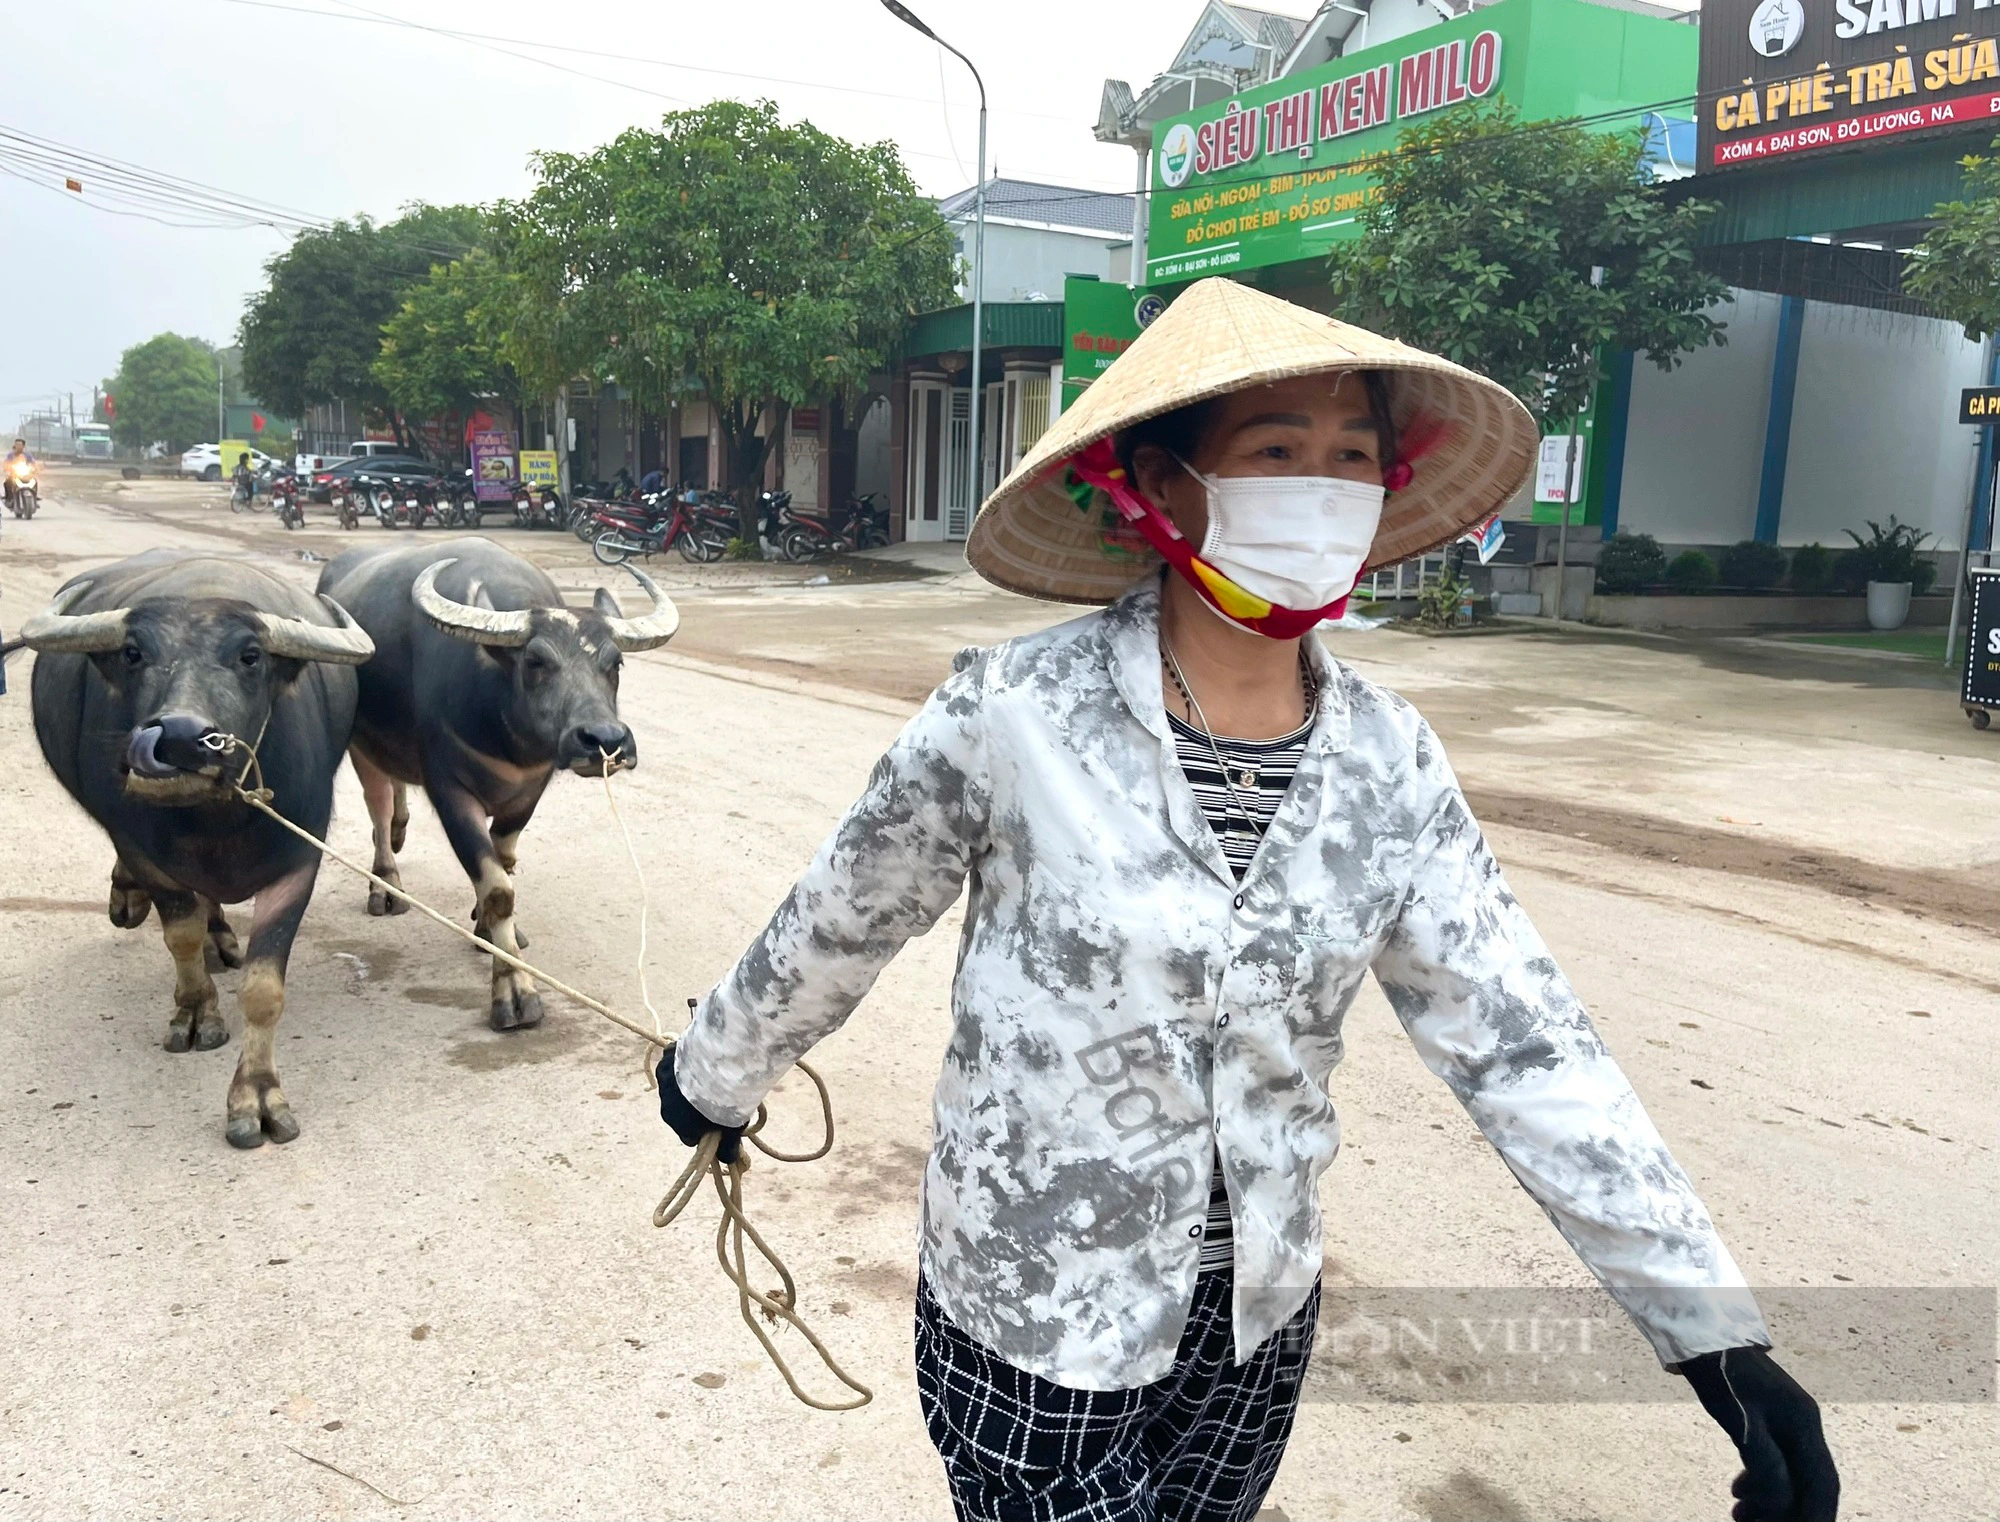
x=1188 y=834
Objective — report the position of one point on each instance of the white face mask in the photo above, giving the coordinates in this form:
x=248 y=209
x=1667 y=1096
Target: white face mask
x=1297 y=541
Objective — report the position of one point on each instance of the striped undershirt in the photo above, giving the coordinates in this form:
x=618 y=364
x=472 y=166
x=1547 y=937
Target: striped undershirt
x=1262 y=772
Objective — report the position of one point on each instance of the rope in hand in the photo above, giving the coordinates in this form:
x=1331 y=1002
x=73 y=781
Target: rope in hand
x=730 y=1232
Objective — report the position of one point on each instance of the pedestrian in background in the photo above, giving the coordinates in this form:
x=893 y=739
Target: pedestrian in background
x=1188 y=834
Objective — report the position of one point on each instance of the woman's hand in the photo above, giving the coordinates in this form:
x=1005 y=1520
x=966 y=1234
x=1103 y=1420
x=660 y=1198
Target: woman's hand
x=688 y=1123
x=1788 y=1474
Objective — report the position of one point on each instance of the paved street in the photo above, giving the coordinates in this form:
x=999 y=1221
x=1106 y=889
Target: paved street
x=1773 y=874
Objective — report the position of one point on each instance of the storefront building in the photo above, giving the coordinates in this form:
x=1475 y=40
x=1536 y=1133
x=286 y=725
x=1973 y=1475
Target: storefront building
x=1260 y=183
x=1829 y=132
x=931 y=410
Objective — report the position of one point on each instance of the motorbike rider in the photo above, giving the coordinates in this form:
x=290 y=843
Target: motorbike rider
x=18 y=454
x=245 y=478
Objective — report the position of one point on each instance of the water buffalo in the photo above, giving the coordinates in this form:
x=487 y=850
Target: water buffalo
x=483 y=684
x=145 y=667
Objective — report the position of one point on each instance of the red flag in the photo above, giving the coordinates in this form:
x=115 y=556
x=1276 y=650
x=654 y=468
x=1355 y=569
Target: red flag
x=256 y=422
x=110 y=407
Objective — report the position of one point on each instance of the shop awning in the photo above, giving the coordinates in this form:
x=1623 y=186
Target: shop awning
x=1837 y=194
x=1008 y=325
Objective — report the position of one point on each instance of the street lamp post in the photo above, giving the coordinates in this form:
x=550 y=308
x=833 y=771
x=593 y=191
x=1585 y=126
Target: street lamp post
x=976 y=450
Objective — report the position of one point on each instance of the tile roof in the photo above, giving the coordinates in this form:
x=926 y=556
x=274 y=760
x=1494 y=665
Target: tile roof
x=1060 y=205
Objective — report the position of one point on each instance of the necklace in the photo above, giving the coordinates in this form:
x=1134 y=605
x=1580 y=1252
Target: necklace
x=1241 y=776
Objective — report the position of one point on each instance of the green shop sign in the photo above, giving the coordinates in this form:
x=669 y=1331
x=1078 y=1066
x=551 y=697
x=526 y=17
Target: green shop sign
x=1282 y=172
x=1100 y=320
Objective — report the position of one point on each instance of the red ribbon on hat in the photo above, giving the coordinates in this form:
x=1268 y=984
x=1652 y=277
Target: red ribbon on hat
x=1096 y=466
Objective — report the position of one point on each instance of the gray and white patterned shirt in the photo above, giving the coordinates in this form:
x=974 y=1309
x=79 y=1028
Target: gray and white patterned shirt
x=1125 y=1011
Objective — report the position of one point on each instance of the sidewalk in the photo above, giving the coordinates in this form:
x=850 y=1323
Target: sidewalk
x=946 y=558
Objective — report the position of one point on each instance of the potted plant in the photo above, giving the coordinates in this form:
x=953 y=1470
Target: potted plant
x=1888 y=559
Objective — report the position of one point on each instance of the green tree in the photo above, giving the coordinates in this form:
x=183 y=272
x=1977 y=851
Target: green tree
x=1482 y=243
x=768 y=264
x=1956 y=269
x=439 y=352
x=314 y=332
x=164 y=393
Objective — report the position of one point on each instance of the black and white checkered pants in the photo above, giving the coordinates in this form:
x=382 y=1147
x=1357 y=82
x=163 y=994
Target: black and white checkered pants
x=1201 y=1445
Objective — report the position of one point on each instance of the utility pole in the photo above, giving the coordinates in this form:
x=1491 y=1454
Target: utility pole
x=221 y=421
x=976 y=469
x=1569 y=491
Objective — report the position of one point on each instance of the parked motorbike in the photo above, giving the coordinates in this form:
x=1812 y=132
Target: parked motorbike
x=287 y=501
x=697 y=536
x=860 y=524
x=538 y=506
x=868 y=521
x=595 y=504
x=457 y=499
x=346 y=503
x=391 y=499
x=24 y=488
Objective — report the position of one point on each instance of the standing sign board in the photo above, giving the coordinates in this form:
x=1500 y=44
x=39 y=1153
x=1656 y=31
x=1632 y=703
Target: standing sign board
x=1982 y=648
x=1282 y=172
x=1100 y=320
x=493 y=470
x=538 y=467
x=1979 y=404
x=1549 y=484
x=1784 y=78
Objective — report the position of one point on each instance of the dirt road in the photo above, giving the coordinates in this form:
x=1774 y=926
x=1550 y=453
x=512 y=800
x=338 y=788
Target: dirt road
x=1774 y=882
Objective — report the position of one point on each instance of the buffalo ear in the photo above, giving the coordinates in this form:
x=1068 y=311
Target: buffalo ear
x=606 y=604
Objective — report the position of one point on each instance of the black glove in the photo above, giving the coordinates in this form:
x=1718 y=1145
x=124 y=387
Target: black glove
x=689 y=1124
x=1788 y=1474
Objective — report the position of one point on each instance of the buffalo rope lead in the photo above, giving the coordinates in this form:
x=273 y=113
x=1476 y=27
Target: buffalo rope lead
x=734 y=1226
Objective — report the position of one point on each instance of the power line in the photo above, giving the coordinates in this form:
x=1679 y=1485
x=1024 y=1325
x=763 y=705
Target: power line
x=492 y=45
x=127 y=189
x=636 y=58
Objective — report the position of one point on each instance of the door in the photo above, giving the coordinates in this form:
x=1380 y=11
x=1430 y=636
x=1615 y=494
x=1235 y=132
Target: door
x=802 y=466
x=958 y=463
x=924 y=517
x=693 y=462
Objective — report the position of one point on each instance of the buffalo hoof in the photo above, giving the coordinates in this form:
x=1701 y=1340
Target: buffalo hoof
x=259 y=1115
x=516 y=1011
x=129 y=907
x=381 y=902
x=196 y=1030
x=398 y=829
x=480 y=929
x=222 y=949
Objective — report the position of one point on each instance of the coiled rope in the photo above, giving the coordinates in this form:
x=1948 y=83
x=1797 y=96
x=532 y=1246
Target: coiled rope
x=780 y=1305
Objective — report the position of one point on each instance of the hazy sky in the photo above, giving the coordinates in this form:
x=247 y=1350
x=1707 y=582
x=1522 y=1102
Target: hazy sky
x=333 y=113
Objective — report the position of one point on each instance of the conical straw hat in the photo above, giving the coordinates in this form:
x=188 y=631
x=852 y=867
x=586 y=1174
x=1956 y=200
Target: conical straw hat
x=1032 y=537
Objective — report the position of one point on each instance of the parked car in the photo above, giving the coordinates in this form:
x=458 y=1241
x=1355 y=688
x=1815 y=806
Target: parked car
x=325 y=481
x=205 y=462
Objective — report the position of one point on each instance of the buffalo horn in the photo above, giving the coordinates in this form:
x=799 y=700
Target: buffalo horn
x=346 y=645
x=656 y=628
x=56 y=628
x=482 y=626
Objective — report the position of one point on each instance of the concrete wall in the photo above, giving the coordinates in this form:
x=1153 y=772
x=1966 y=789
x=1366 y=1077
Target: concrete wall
x=1875 y=426
x=1694 y=442
x=1874 y=429
x=1024 y=263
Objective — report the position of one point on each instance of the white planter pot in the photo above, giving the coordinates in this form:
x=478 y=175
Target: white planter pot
x=1888 y=604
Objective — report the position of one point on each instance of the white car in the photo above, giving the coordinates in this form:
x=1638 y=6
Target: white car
x=204 y=461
